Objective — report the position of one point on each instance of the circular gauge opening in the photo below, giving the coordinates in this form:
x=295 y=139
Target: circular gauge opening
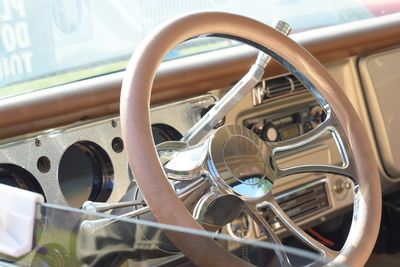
x=163 y=133
x=17 y=176
x=85 y=173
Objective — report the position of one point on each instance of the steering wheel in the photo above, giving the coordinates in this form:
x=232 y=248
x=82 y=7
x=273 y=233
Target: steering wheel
x=225 y=157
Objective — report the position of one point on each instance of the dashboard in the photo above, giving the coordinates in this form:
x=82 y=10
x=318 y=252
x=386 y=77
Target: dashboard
x=65 y=143
x=86 y=161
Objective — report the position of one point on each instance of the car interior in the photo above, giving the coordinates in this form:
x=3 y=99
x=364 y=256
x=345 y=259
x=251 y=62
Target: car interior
x=217 y=128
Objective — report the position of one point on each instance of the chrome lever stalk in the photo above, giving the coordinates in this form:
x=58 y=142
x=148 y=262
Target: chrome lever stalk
x=226 y=103
x=103 y=206
x=283 y=27
x=94 y=225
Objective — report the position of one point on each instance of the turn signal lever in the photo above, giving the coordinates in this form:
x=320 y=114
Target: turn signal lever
x=226 y=103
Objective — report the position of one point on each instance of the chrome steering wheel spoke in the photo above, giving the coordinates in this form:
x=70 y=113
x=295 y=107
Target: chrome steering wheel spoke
x=191 y=193
x=299 y=233
x=330 y=127
x=232 y=171
x=183 y=162
x=251 y=210
x=186 y=168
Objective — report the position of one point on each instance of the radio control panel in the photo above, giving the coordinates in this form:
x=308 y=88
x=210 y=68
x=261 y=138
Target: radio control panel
x=283 y=126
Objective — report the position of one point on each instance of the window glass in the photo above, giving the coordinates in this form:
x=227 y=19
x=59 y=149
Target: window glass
x=50 y=42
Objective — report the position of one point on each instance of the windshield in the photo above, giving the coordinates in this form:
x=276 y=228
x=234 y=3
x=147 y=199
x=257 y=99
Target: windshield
x=51 y=42
x=72 y=237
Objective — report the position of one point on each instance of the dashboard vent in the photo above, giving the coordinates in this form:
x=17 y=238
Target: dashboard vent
x=299 y=203
x=276 y=87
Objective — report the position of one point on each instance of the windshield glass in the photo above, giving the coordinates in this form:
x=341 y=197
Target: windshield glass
x=51 y=42
x=72 y=237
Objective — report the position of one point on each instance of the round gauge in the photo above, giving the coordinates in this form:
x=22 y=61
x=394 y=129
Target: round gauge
x=163 y=133
x=85 y=173
x=16 y=176
x=240 y=227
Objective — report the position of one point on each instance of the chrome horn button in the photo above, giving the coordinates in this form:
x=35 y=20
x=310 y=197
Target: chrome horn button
x=243 y=159
x=238 y=162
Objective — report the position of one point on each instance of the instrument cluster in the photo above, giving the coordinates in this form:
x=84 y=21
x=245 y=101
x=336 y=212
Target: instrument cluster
x=87 y=160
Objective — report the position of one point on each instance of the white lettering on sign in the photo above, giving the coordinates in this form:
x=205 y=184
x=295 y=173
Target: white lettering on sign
x=16 y=56
x=27 y=59
x=16 y=64
x=12 y=9
x=8 y=38
x=22 y=35
x=14 y=37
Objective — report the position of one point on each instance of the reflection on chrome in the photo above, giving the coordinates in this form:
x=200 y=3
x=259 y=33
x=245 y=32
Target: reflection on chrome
x=241 y=226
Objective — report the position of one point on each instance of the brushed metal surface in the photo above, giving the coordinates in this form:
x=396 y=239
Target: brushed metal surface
x=24 y=151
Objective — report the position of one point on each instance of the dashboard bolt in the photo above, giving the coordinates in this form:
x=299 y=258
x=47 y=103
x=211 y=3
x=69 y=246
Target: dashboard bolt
x=38 y=143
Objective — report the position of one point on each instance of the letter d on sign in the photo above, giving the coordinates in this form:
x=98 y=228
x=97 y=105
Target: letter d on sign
x=22 y=35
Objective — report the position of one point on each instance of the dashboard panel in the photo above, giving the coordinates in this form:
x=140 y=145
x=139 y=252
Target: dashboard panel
x=87 y=161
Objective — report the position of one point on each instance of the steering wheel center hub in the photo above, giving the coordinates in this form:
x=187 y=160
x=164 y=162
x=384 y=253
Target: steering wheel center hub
x=238 y=162
x=243 y=159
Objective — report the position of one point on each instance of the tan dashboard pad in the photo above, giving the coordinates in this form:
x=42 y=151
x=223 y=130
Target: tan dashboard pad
x=135 y=123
